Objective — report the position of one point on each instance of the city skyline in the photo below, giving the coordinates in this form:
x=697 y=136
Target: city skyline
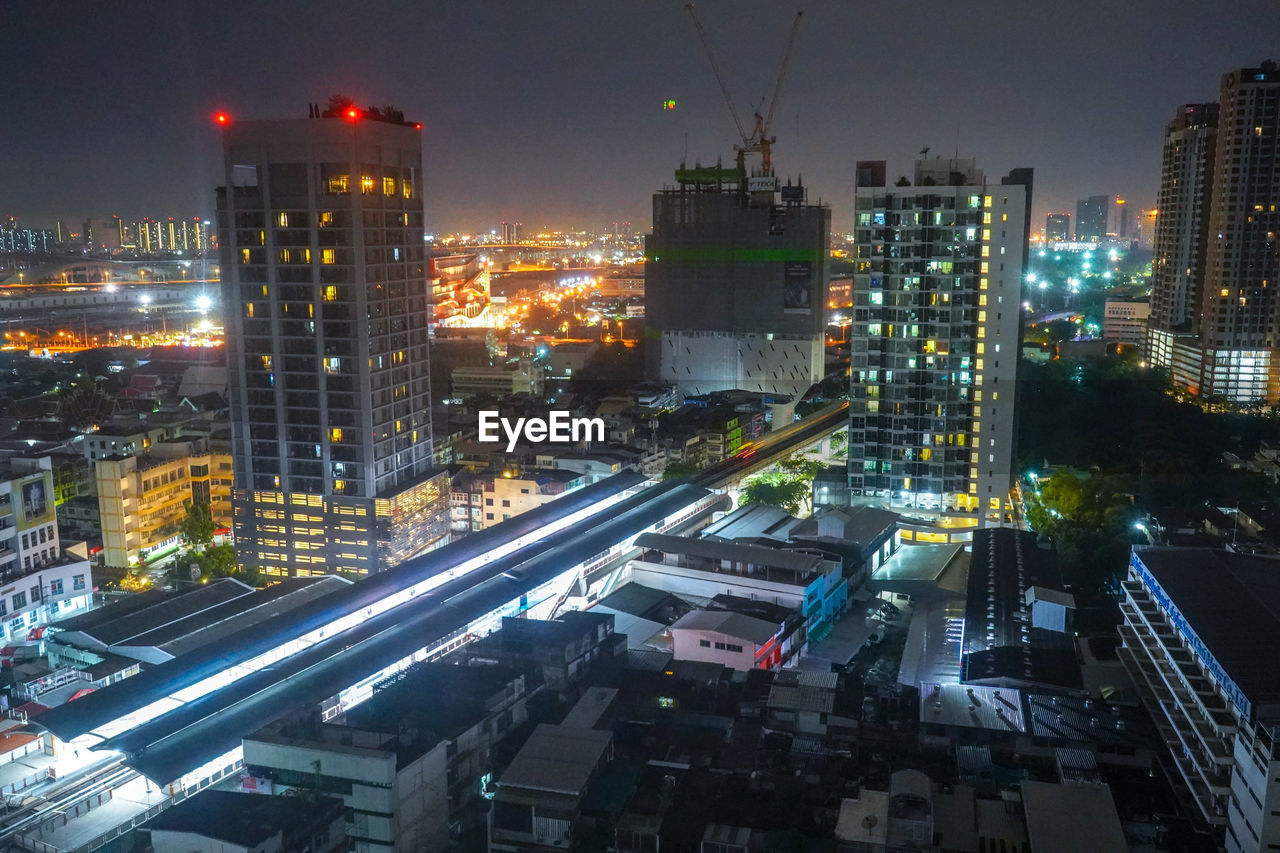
x=606 y=105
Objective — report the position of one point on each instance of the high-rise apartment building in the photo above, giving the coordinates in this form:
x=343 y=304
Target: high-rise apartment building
x=1057 y=227
x=736 y=283
x=1092 y=215
x=1186 y=174
x=327 y=301
x=937 y=294
x=1242 y=266
x=1217 y=259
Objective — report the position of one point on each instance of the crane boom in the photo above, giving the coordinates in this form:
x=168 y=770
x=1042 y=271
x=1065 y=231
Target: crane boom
x=715 y=68
x=782 y=71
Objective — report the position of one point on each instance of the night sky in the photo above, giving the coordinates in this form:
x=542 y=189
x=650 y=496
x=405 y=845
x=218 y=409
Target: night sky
x=550 y=113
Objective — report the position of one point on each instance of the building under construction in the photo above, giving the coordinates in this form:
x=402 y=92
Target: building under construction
x=736 y=283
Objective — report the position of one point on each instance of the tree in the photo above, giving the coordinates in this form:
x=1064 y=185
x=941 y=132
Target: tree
x=198 y=526
x=218 y=561
x=676 y=470
x=776 y=489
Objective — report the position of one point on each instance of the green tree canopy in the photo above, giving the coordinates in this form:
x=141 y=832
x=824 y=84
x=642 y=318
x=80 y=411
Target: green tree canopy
x=218 y=561
x=775 y=488
x=676 y=470
x=198 y=526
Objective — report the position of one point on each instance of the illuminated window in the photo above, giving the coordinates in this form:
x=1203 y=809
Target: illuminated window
x=986 y=251
x=388 y=186
x=338 y=185
x=326 y=218
x=244 y=256
x=328 y=256
x=986 y=201
x=333 y=364
x=335 y=434
x=282 y=219
x=330 y=291
x=366 y=184
x=266 y=362
x=339 y=485
x=406 y=189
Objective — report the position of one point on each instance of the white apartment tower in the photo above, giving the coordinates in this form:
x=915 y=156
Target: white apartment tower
x=937 y=295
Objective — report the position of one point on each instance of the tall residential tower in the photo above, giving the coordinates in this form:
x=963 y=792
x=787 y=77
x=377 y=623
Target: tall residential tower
x=937 y=295
x=1177 y=269
x=1217 y=267
x=327 y=300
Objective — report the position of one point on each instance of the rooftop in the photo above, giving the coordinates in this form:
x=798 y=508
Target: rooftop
x=1054 y=822
x=557 y=760
x=728 y=623
x=245 y=820
x=1237 y=616
x=803 y=566
x=124 y=620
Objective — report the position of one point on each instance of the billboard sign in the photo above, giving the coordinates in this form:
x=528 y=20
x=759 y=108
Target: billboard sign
x=797 y=290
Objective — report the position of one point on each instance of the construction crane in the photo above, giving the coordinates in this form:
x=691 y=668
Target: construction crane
x=758 y=141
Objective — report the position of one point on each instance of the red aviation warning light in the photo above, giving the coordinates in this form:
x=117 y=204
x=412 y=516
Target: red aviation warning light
x=222 y=118
x=353 y=113
x=417 y=126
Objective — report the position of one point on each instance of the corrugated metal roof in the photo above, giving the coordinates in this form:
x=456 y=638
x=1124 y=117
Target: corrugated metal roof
x=728 y=623
x=709 y=549
x=177 y=742
x=71 y=721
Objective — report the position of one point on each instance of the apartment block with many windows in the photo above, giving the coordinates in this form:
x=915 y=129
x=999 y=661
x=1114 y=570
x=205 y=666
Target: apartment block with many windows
x=935 y=340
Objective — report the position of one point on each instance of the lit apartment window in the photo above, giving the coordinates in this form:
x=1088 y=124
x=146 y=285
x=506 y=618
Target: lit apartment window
x=282 y=219
x=266 y=362
x=339 y=486
x=388 y=186
x=326 y=217
x=330 y=291
x=406 y=189
x=333 y=364
x=248 y=309
x=335 y=434
x=366 y=184
x=338 y=185
x=328 y=256
x=244 y=256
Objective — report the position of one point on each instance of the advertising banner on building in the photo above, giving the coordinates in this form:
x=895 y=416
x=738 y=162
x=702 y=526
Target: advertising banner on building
x=797 y=293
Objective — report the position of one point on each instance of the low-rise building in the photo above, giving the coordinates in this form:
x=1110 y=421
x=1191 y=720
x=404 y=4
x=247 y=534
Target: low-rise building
x=539 y=798
x=523 y=376
x=409 y=762
x=731 y=639
x=40 y=580
x=1124 y=321
x=233 y=822
x=798 y=579
x=506 y=497
x=143 y=499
